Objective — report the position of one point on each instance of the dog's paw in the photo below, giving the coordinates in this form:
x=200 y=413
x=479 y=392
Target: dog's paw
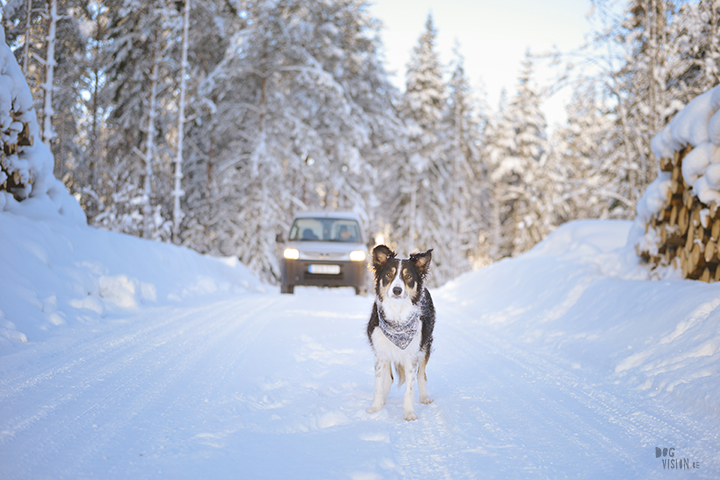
x=426 y=400
x=374 y=409
x=410 y=416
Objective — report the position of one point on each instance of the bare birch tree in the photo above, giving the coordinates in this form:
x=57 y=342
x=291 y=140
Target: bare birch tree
x=177 y=190
x=48 y=133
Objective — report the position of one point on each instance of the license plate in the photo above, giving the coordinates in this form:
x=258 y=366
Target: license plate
x=324 y=269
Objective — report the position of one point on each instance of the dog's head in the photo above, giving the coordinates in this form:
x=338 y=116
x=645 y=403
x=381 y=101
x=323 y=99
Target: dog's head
x=399 y=279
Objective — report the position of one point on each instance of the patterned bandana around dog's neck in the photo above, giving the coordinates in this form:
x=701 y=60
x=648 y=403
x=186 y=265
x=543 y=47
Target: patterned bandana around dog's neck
x=400 y=335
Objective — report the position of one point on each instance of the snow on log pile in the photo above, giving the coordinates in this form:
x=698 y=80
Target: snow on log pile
x=27 y=184
x=681 y=208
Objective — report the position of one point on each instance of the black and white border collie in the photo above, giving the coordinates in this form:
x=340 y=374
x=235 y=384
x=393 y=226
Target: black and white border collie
x=401 y=325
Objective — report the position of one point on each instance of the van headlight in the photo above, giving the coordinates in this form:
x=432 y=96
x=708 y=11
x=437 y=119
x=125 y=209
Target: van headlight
x=357 y=256
x=291 y=253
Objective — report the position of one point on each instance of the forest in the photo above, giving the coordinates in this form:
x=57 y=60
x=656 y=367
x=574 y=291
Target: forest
x=209 y=123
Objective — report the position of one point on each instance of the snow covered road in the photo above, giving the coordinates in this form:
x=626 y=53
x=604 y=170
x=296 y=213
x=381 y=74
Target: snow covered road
x=270 y=386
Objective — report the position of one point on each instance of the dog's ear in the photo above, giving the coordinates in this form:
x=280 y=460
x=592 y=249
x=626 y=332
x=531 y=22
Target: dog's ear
x=422 y=261
x=380 y=255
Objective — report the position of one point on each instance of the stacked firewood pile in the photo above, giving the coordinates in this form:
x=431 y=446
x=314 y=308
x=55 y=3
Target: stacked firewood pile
x=12 y=168
x=687 y=231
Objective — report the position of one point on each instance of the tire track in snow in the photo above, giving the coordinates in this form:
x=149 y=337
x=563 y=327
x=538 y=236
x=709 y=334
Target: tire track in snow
x=215 y=380
x=430 y=449
x=530 y=403
x=17 y=376
x=106 y=356
x=647 y=422
x=99 y=385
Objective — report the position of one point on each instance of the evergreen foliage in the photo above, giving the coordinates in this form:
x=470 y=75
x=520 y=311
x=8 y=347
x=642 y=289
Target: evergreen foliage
x=288 y=107
x=518 y=153
x=422 y=178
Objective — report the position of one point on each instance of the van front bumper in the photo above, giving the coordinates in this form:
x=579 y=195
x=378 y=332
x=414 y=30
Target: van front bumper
x=299 y=272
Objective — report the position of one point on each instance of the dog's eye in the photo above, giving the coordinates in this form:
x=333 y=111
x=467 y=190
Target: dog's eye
x=408 y=276
x=389 y=275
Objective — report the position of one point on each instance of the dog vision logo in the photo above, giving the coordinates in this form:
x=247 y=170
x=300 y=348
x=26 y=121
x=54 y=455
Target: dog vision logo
x=672 y=462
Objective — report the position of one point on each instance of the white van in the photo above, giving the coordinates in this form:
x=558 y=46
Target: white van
x=326 y=249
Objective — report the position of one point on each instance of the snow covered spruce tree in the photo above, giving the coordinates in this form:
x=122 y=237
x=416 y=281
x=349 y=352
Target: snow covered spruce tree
x=692 y=62
x=664 y=55
x=420 y=183
x=518 y=152
x=297 y=110
x=500 y=144
x=638 y=87
x=137 y=176
x=212 y=27
x=583 y=158
x=470 y=190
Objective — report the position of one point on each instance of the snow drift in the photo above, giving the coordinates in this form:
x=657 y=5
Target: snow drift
x=59 y=276
x=583 y=296
x=123 y=357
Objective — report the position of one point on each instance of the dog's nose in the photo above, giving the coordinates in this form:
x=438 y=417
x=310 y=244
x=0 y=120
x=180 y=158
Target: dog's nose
x=397 y=291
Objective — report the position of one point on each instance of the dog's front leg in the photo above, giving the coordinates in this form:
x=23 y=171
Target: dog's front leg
x=387 y=381
x=410 y=374
x=422 y=382
x=382 y=375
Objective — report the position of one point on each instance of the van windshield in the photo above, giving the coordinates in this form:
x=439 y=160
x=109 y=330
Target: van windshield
x=325 y=230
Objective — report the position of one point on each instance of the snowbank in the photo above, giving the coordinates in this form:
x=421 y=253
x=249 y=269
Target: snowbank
x=41 y=195
x=147 y=360
x=59 y=276
x=582 y=297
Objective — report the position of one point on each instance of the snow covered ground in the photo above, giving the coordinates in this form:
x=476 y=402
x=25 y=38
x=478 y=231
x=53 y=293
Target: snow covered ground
x=122 y=358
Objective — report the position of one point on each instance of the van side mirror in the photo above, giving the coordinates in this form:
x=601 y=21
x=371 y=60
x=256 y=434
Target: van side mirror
x=279 y=238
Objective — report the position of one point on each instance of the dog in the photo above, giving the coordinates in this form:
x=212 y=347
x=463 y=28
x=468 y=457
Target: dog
x=400 y=329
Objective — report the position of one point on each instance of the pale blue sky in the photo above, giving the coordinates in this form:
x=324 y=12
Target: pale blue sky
x=493 y=36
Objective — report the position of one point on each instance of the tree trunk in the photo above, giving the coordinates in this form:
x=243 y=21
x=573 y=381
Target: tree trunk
x=150 y=144
x=177 y=191
x=454 y=241
x=413 y=216
x=26 y=47
x=48 y=111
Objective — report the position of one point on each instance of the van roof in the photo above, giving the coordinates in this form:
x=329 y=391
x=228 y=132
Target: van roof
x=348 y=215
